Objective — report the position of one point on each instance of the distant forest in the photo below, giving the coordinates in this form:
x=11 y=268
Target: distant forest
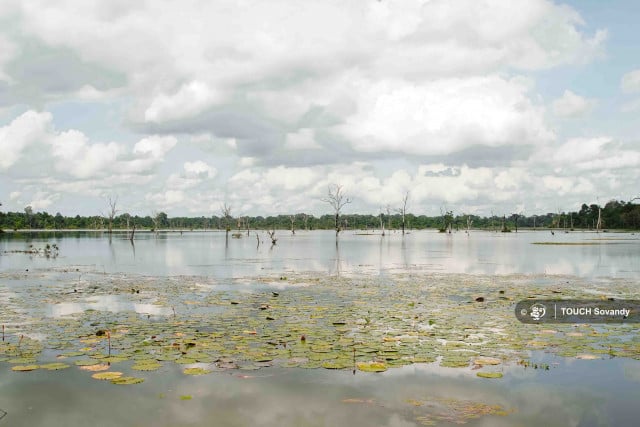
x=614 y=215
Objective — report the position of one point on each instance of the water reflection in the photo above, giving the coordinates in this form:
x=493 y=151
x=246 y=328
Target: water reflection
x=210 y=253
x=111 y=303
x=292 y=397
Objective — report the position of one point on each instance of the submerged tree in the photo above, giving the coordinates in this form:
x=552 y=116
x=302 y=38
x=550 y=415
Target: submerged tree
x=337 y=200
x=447 y=221
x=111 y=213
x=403 y=210
x=226 y=217
x=292 y=218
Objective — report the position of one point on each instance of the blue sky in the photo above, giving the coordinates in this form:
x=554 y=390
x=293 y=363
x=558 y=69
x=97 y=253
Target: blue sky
x=476 y=106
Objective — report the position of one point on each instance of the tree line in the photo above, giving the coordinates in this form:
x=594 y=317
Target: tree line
x=613 y=215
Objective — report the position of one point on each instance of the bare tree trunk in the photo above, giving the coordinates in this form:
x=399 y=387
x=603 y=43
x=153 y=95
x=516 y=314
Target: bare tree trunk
x=133 y=232
x=337 y=199
x=272 y=235
x=112 y=211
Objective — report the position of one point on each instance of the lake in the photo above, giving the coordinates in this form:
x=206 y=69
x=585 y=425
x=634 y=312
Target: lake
x=235 y=333
x=208 y=253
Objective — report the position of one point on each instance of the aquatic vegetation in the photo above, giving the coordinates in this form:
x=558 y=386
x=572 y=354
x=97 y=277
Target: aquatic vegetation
x=369 y=324
x=196 y=371
x=371 y=366
x=489 y=374
x=127 y=380
x=111 y=375
x=25 y=368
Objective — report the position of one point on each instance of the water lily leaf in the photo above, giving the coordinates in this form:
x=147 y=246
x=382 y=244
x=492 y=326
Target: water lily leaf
x=24 y=368
x=146 y=366
x=127 y=380
x=186 y=397
x=196 y=371
x=482 y=361
x=371 y=366
x=95 y=368
x=489 y=374
x=106 y=375
x=22 y=360
x=86 y=362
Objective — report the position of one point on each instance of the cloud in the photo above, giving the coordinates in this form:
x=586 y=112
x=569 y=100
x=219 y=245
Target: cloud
x=180 y=60
x=155 y=146
x=42 y=200
x=77 y=157
x=304 y=139
x=631 y=81
x=564 y=185
x=27 y=129
x=272 y=102
x=595 y=153
x=191 y=99
x=8 y=50
x=572 y=105
x=193 y=174
x=166 y=199
x=443 y=116
x=199 y=169
x=71 y=152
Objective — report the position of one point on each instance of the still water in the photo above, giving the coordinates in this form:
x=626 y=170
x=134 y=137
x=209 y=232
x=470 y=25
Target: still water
x=572 y=392
x=582 y=254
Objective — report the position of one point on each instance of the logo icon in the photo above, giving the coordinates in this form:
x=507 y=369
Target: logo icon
x=537 y=311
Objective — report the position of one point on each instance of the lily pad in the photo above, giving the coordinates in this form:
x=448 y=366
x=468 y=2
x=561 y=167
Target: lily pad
x=489 y=374
x=25 y=368
x=196 y=371
x=106 y=375
x=127 y=380
x=371 y=366
x=483 y=361
x=95 y=368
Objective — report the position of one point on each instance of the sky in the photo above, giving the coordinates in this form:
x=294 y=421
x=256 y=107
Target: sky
x=475 y=106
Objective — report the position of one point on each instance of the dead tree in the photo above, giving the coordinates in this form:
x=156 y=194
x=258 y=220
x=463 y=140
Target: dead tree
x=246 y=223
x=403 y=210
x=133 y=227
x=111 y=213
x=381 y=222
x=337 y=200
x=272 y=235
x=469 y=222
x=156 y=218
x=226 y=216
x=305 y=218
x=292 y=218
x=388 y=209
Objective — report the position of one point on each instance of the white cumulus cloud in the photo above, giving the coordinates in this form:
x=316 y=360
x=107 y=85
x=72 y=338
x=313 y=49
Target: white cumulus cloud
x=572 y=105
x=631 y=81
